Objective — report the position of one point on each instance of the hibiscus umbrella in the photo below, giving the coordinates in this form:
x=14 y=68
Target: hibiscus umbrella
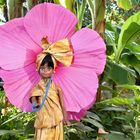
x=21 y=43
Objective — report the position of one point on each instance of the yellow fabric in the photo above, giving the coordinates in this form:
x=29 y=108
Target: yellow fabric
x=60 y=51
x=53 y=133
x=48 y=123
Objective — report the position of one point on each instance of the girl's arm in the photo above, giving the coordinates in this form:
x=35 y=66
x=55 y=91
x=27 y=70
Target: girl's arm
x=60 y=94
x=35 y=96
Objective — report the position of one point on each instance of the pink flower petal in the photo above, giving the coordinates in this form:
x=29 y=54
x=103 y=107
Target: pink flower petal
x=79 y=87
x=18 y=83
x=89 y=50
x=50 y=20
x=17 y=48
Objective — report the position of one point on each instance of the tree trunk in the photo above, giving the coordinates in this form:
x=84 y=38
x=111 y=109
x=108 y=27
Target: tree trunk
x=5 y=12
x=14 y=8
x=31 y=3
x=100 y=16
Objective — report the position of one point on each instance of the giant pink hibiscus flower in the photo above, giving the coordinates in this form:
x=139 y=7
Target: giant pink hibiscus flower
x=20 y=43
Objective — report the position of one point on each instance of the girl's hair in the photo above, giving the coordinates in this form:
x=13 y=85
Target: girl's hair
x=48 y=59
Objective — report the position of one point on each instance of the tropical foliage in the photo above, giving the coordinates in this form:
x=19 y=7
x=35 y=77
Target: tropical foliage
x=117 y=110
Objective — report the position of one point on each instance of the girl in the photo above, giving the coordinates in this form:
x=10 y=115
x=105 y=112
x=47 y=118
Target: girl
x=49 y=119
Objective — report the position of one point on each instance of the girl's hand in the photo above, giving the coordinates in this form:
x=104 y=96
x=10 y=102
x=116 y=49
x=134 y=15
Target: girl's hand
x=37 y=106
x=36 y=100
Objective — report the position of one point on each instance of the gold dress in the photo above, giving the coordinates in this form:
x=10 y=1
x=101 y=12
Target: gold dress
x=48 y=124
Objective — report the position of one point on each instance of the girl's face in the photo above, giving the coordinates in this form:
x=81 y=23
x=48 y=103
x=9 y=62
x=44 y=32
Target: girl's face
x=45 y=71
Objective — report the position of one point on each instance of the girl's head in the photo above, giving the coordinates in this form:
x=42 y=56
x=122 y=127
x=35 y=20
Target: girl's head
x=46 y=67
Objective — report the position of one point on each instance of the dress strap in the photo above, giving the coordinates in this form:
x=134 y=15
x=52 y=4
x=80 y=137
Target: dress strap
x=34 y=109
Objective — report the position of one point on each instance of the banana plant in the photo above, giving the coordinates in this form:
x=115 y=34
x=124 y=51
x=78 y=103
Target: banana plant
x=97 y=9
x=81 y=7
x=66 y=3
x=31 y=3
x=123 y=44
x=129 y=33
x=128 y=102
x=14 y=8
x=3 y=11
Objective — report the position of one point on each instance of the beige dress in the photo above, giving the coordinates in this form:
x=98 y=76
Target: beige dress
x=48 y=124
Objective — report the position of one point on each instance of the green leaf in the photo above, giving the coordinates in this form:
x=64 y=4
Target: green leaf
x=129 y=32
x=93 y=116
x=93 y=122
x=137 y=136
x=127 y=118
x=80 y=13
x=91 y=5
x=29 y=129
x=131 y=60
x=117 y=101
x=83 y=127
x=127 y=127
x=132 y=87
x=14 y=132
x=137 y=99
x=56 y=1
x=127 y=4
x=120 y=74
x=73 y=136
x=18 y=115
x=120 y=118
x=2 y=2
x=135 y=50
x=117 y=136
x=110 y=36
x=113 y=109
